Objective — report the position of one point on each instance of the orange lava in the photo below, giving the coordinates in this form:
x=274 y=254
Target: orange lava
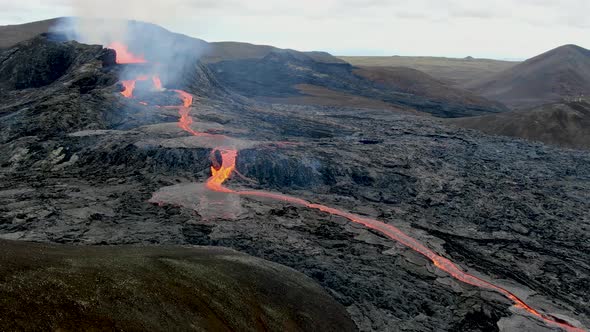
x=219 y=176
x=157 y=83
x=130 y=85
x=185 y=122
x=123 y=54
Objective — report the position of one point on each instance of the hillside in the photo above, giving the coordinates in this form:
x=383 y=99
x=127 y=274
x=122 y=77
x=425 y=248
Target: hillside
x=454 y=71
x=280 y=76
x=67 y=288
x=222 y=51
x=417 y=83
x=11 y=35
x=560 y=73
x=561 y=124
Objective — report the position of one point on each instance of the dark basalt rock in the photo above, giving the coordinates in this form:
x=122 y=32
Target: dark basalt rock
x=40 y=62
x=79 y=164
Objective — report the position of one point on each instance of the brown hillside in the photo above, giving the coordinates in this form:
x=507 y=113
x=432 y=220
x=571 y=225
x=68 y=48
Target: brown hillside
x=11 y=35
x=415 y=82
x=549 y=77
x=450 y=70
x=561 y=124
x=68 y=288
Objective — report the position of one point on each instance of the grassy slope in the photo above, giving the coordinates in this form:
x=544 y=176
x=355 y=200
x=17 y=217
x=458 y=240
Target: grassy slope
x=45 y=287
x=455 y=71
x=14 y=34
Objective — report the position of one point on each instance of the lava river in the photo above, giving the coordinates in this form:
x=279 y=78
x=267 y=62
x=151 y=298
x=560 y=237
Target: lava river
x=223 y=172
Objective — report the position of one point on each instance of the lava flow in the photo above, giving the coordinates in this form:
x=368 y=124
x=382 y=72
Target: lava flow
x=224 y=171
x=129 y=85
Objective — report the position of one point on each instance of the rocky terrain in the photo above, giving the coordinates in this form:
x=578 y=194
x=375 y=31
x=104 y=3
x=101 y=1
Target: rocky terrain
x=563 y=72
x=81 y=165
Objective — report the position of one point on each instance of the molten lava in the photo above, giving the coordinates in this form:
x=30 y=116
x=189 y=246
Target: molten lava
x=157 y=83
x=129 y=88
x=223 y=172
x=124 y=56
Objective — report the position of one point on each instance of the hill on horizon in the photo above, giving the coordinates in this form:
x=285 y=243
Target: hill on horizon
x=565 y=124
x=453 y=71
x=560 y=73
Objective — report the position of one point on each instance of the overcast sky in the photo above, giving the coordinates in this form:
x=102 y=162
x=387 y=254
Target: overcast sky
x=458 y=28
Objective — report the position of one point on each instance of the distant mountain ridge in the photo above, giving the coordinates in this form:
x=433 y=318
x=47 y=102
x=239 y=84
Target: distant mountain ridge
x=453 y=71
x=560 y=73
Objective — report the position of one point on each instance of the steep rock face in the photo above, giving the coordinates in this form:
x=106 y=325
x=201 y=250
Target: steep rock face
x=52 y=87
x=69 y=77
x=37 y=63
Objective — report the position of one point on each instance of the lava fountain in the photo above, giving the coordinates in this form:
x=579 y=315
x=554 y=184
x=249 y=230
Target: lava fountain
x=124 y=56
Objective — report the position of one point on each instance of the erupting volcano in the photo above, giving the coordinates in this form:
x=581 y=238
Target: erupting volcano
x=221 y=173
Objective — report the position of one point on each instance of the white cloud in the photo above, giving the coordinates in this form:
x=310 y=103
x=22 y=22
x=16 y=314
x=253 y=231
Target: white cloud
x=500 y=28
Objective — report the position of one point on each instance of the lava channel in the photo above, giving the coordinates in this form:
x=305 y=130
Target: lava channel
x=228 y=166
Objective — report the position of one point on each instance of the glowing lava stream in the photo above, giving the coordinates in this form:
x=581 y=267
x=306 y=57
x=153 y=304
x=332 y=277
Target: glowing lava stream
x=229 y=156
x=228 y=167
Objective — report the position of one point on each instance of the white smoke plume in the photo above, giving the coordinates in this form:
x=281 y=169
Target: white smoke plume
x=128 y=22
x=105 y=21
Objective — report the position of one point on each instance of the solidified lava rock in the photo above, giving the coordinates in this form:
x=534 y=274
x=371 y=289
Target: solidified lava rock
x=79 y=163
